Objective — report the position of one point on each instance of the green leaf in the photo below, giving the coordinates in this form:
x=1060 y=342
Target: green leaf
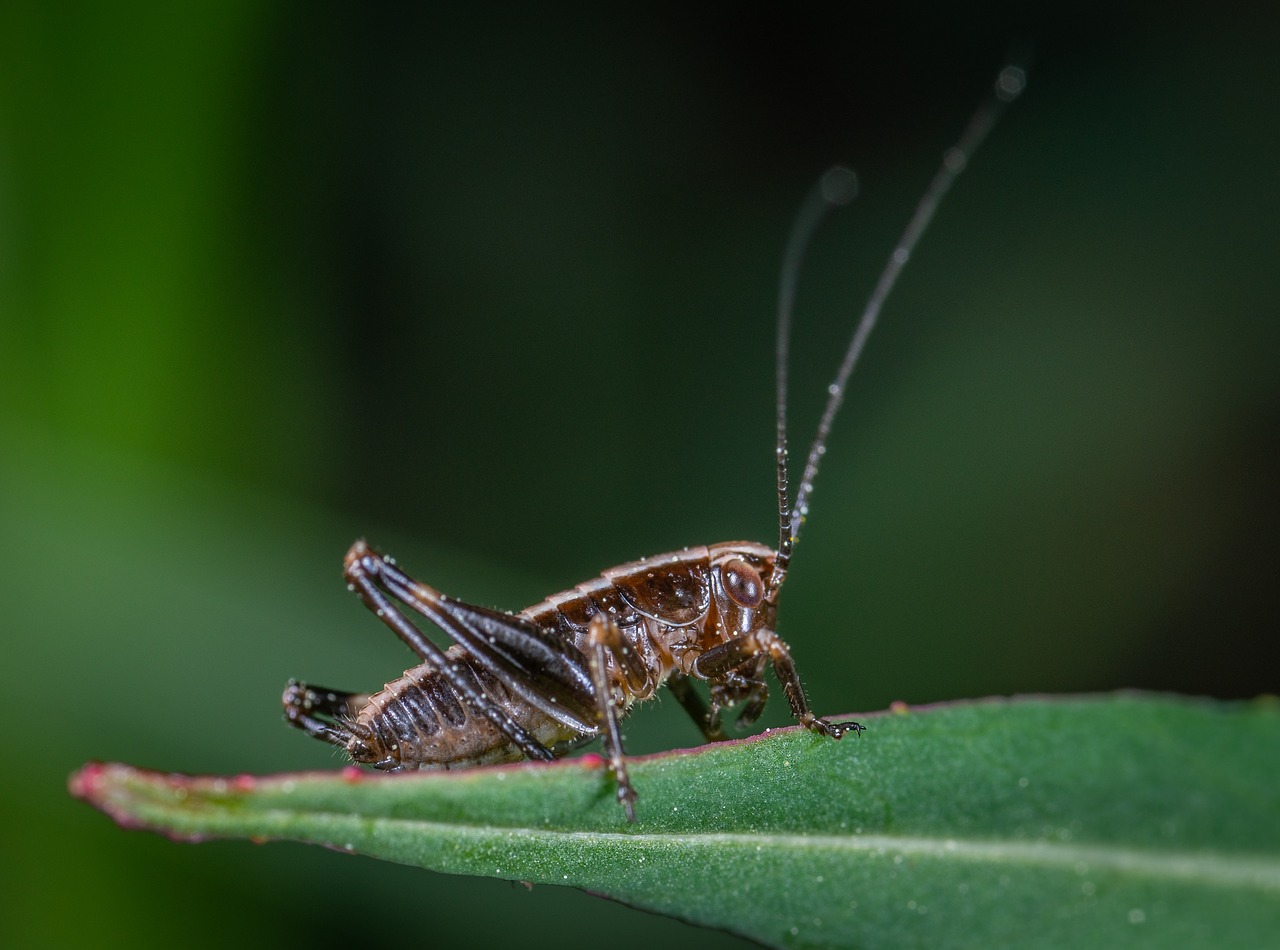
x=1122 y=820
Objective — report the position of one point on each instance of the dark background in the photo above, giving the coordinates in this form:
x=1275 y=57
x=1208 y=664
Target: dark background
x=495 y=290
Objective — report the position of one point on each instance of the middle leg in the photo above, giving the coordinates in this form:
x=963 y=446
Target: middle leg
x=604 y=638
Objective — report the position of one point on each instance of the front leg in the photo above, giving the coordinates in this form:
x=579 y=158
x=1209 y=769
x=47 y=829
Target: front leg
x=732 y=655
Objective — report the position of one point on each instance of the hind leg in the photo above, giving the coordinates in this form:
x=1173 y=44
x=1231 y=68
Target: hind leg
x=549 y=674
x=302 y=703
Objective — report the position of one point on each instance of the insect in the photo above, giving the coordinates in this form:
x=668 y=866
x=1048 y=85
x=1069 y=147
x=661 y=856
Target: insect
x=542 y=682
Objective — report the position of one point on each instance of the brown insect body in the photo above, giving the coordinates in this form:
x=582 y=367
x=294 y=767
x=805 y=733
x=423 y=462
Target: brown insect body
x=542 y=682
x=669 y=610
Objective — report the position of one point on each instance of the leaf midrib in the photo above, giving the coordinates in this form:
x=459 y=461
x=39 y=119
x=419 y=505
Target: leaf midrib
x=1231 y=871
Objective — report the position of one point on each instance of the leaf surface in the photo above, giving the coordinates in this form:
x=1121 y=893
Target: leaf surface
x=1122 y=820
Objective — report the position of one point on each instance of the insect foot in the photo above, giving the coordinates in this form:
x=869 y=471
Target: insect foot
x=835 y=730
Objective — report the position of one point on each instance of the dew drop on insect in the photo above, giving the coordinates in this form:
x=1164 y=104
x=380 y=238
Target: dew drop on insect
x=901 y=255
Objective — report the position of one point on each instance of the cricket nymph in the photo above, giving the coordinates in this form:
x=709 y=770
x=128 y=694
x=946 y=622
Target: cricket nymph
x=702 y=613
x=542 y=682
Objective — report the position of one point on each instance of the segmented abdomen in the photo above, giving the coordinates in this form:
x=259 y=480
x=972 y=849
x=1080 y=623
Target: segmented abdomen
x=420 y=721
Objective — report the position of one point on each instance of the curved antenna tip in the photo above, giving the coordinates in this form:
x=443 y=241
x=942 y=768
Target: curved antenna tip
x=839 y=185
x=1010 y=83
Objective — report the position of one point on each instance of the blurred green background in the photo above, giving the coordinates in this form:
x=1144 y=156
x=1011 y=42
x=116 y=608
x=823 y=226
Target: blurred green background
x=495 y=291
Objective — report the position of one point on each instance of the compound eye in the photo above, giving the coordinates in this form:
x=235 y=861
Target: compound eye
x=742 y=583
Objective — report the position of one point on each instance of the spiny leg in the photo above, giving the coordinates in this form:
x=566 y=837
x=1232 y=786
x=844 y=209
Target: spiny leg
x=364 y=568
x=731 y=655
x=603 y=636
x=785 y=669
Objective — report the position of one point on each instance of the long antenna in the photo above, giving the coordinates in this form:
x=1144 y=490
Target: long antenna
x=1009 y=84
x=837 y=186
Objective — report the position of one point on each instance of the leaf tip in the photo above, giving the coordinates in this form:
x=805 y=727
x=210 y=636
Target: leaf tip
x=99 y=784
x=124 y=794
x=86 y=782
